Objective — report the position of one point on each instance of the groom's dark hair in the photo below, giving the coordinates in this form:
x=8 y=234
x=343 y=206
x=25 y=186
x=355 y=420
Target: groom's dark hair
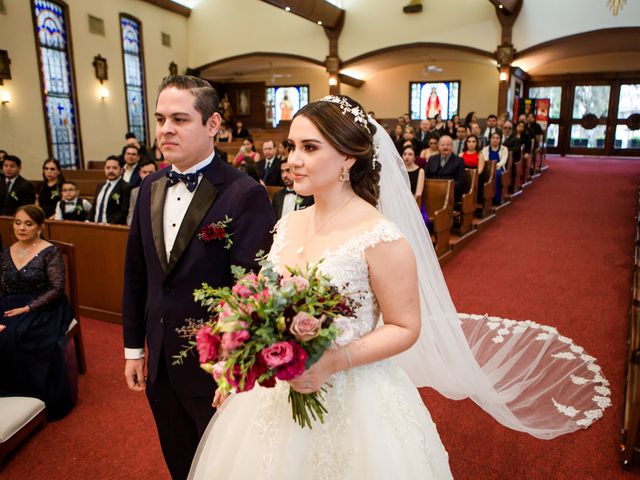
x=207 y=99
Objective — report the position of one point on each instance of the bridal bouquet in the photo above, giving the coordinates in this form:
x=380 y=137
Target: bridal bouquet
x=268 y=327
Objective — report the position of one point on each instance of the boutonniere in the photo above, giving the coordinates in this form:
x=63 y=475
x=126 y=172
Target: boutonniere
x=79 y=208
x=299 y=201
x=55 y=193
x=116 y=197
x=217 y=231
x=14 y=195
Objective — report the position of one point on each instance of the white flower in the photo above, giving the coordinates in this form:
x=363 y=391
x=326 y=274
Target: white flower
x=549 y=329
x=504 y=331
x=565 y=355
x=593 y=414
x=585 y=422
x=564 y=339
x=587 y=358
x=543 y=336
x=602 y=402
x=508 y=323
x=498 y=339
x=492 y=326
x=579 y=380
x=519 y=328
x=593 y=367
x=576 y=349
x=347 y=333
x=603 y=391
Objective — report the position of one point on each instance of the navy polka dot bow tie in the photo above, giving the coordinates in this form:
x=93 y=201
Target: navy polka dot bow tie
x=189 y=179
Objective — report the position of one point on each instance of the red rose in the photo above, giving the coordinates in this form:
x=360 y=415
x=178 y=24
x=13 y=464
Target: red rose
x=235 y=377
x=277 y=354
x=233 y=340
x=295 y=367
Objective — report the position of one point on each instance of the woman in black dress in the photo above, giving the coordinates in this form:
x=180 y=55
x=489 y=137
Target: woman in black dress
x=49 y=193
x=35 y=317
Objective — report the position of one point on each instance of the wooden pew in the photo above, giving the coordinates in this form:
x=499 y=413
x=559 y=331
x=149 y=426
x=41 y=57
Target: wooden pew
x=95 y=165
x=74 y=175
x=487 y=179
x=438 y=200
x=506 y=180
x=467 y=204
x=516 y=174
x=100 y=252
x=272 y=190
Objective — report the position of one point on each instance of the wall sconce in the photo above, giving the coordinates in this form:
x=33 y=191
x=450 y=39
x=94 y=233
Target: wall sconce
x=5 y=97
x=504 y=76
x=333 y=81
x=103 y=92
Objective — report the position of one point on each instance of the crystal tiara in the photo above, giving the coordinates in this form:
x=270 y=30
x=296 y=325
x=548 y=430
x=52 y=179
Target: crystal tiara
x=356 y=112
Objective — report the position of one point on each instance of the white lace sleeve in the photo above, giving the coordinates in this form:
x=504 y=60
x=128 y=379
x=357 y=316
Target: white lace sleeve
x=280 y=233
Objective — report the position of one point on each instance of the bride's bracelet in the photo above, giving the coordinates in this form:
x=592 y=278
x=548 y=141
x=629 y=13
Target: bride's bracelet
x=347 y=355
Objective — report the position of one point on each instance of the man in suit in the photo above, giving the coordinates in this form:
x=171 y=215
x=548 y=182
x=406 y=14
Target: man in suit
x=287 y=200
x=131 y=165
x=492 y=127
x=458 y=143
x=15 y=190
x=146 y=169
x=424 y=134
x=448 y=166
x=271 y=165
x=167 y=259
x=474 y=128
x=111 y=200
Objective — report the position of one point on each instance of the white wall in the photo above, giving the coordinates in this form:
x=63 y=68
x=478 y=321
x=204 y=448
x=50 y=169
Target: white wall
x=543 y=20
x=374 y=24
x=102 y=123
x=224 y=28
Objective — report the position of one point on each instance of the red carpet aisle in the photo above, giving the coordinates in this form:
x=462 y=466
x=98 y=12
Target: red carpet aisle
x=109 y=435
x=559 y=255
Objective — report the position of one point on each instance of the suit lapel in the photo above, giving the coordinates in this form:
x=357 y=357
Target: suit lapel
x=200 y=204
x=158 y=193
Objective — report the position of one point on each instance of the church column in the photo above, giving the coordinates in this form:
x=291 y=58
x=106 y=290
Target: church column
x=507 y=12
x=333 y=61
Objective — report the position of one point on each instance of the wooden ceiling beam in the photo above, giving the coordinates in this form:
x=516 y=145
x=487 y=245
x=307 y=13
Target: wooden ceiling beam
x=171 y=6
x=313 y=10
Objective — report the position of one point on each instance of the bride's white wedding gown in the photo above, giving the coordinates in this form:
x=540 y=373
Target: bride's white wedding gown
x=377 y=426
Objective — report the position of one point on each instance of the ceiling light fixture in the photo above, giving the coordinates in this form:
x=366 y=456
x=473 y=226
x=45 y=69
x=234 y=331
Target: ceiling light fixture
x=287 y=9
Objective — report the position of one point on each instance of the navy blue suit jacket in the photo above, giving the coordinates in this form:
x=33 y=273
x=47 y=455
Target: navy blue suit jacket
x=454 y=170
x=158 y=294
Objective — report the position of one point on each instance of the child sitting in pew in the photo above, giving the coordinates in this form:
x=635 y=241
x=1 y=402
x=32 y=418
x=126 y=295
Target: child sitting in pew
x=72 y=207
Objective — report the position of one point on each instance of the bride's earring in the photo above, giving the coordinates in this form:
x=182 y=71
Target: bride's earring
x=344 y=176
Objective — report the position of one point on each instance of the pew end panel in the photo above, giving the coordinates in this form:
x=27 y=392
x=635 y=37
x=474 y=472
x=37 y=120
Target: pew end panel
x=467 y=205
x=487 y=191
x=438 y=200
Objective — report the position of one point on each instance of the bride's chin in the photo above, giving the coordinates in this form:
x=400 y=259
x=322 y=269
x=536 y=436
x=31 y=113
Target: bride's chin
x=302 y=189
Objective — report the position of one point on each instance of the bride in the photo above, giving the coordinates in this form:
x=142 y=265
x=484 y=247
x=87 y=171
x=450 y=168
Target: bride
x=407 y=332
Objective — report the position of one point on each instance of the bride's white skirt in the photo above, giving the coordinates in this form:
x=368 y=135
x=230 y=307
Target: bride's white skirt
x=377 y=428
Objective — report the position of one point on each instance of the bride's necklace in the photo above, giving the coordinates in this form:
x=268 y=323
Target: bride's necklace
x=302 y=247
x=23 y=253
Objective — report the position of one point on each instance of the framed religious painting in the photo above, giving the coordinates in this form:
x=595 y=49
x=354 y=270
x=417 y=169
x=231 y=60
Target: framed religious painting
x=5 y=68
x=243 y=102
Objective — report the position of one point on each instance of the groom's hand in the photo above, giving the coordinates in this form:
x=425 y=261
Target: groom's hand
x=134 y=374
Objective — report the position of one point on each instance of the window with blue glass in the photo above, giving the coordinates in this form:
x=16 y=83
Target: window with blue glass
x=57 y=82
x=134 y=76
x=428 y=99
x=283 y=102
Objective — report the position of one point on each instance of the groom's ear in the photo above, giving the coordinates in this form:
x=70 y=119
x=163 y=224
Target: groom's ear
x=213 y=124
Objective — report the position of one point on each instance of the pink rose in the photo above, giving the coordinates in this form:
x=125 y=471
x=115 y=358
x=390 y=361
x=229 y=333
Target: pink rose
x=252 y=279
x=232 y=340
x=261 y=297
x=299 y=282
x=296 y=366
x=241 y=290
x=207 y=344
x=235 y=376
x=218 y=370
x=225 y=313
x=277 y=354
x=305 y=327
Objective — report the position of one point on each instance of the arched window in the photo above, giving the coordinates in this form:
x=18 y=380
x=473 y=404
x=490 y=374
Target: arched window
x=133 y=59
x=57 y=81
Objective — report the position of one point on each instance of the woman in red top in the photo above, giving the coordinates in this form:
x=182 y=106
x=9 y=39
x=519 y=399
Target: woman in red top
x=470 y=154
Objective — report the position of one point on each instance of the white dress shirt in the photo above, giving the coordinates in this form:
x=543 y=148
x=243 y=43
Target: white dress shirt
x=176 y=203
x=69 y=207
x=109 y=185
x=289 y=204
x=128 y=171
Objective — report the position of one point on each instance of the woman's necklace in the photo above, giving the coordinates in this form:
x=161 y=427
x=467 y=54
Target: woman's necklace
x=302 y=247
x=23 y=253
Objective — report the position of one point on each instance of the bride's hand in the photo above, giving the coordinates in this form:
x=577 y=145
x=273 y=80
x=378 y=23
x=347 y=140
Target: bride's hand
x=313 y=379
x=219 y=398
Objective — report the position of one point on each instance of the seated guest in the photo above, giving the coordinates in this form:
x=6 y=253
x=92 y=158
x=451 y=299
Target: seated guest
x=502 y=118
x=130 y=139
x=247 y=150
x=471 y=117
x=15 y=190
x=71 y=206
x=439 y=126
x=474 y=129
x=111 y=200
x=131 y=165
x=240 y=131
x=287 y=200
x=409 y=135
x=423 y=133
x=450 y=129
x=249 y=167
x=283 y=150
x=398 y=136
x=416 y=179
x=49 y=191
x=445 y=165
x=525 y=140
x=431 y=149
x=458 y=143
x=269 y=168
x=498 y=152
x=145 y=169
x=492 y=127
x=35 y=318
x=156 y=154
x=471 y=156
x=224 y=135
x=510 y=140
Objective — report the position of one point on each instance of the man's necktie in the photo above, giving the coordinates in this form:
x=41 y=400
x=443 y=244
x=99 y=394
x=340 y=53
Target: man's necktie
x=103 y=202
x=189 y=179
x=460 y=145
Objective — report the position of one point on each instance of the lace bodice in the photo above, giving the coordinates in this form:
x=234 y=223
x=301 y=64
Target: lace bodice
x=348 y=269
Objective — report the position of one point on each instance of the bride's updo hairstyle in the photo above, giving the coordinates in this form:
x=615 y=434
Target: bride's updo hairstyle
x=343 y=122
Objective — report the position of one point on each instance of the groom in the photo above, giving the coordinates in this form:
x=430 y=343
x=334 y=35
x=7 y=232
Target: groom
x=168 y=257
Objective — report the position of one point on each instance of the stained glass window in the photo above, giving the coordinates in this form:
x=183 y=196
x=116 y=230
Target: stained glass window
x=283 y=102
x=134 y=77
x=431 y=98
x=57 y=84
